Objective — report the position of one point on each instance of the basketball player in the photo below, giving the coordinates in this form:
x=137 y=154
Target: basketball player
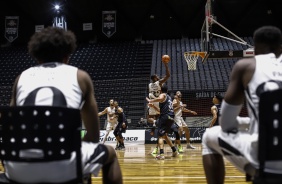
x=55 y=83
x=111 y=120
x=154 y=92
x=165 y=121
x=173 y=129
x=247 y=76
x=178 y=108
x=215 y=109
x=121 y=126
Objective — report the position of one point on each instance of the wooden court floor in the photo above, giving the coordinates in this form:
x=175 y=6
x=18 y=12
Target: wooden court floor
x=139 y=166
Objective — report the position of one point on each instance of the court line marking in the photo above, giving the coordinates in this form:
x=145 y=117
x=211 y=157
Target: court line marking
x=171 y=177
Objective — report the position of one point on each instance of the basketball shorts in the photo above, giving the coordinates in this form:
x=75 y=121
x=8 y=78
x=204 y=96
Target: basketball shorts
x=174 y=128
x=111 y=126
x=164 y=124
x=180 y=121
x=119 y=129
x=94 y=156
x=239 y=148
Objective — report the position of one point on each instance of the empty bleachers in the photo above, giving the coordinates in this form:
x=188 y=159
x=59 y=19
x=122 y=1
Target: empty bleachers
x=121 y=70
x=211 y=75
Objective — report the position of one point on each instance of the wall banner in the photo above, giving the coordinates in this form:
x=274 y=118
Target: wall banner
x=109 y=23
x=11 y=27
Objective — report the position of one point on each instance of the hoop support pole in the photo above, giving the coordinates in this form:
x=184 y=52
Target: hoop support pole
x=228 y=30
x=207 y=29
x=202 y=29
x=243 y=43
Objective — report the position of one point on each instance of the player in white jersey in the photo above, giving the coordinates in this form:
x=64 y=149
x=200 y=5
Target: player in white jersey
x=154 y=92
x=53 y=82
x=227 y=140
x=111 y=120
x=178 y=108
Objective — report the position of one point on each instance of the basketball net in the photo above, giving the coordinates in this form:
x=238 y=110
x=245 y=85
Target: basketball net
x=192 y=58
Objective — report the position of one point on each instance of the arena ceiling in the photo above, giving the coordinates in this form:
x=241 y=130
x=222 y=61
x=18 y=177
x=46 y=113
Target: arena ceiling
x=144 y=19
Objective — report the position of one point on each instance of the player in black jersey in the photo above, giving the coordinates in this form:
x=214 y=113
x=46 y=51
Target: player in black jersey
x=215 y=109
x=165 y=120
x=173 y=130
x=121 y=126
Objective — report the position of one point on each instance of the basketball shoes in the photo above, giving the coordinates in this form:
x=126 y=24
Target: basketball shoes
x=180 y=149
x=189 y=146
x=155 y=151
x=160 y=157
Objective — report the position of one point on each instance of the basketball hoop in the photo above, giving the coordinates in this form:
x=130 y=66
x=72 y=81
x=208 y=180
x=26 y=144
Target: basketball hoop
x=192 y=58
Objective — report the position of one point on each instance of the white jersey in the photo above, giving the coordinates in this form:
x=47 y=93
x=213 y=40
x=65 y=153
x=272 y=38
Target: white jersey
x=267 y=76
x=110 y=113
x=52 y=84
x=154 y=89
x=46 y=84
x=178 y=113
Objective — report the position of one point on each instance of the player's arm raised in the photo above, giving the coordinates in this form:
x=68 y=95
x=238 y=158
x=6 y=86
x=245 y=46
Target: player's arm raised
x=167 y=74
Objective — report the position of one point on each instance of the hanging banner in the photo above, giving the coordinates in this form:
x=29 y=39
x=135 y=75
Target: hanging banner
x=109 y=23
x=60 y=21
x=11 y=27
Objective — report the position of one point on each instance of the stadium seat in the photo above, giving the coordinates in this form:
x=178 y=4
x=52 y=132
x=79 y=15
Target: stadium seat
x=270 y=136
x=53 y=132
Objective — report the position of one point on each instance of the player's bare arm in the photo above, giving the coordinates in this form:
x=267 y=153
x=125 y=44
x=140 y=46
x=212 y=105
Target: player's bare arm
x=167 y=75
x=190 y=111
x=161 y=98
x=214 y=115
x=105 y=111
x=241 y=74
x=234 y=97
x=89 y=111
x=120 y=110
x=176 y=104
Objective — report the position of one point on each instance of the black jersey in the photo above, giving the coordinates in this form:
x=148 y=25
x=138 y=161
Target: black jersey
x=166 y=106
x=218 y=107
x=121 y=118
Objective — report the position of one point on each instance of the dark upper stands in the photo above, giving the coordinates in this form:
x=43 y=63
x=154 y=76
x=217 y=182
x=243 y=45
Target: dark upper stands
x=121 y=70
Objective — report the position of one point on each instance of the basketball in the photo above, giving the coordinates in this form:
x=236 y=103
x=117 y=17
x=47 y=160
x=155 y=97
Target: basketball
x=165 y=58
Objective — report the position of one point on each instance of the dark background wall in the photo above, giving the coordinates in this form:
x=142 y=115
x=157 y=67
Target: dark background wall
x=143 y=19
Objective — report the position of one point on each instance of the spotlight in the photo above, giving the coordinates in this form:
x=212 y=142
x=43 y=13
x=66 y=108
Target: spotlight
x=57 y=7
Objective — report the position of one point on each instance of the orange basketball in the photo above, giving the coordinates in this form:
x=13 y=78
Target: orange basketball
x=165 y=58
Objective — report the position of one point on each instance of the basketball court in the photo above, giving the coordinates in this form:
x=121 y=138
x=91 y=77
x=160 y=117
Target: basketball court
x=139 y=166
